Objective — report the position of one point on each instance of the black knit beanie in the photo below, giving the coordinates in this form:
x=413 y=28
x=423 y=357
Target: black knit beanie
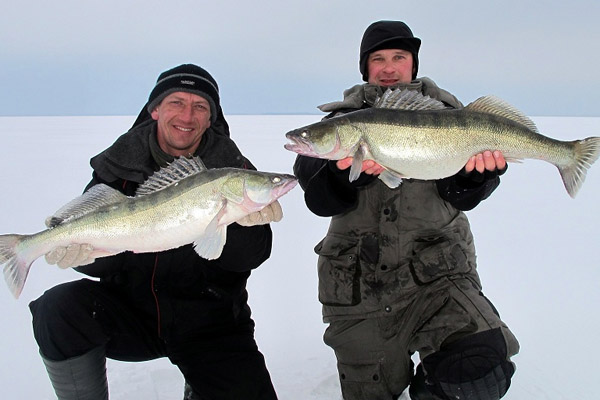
x=186 y=78
x=388 y=35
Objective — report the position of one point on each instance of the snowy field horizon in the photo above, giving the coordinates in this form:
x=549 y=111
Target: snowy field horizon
x=537 y=252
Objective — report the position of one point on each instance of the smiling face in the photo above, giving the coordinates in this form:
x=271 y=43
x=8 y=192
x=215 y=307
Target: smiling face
x=390 y=67
x=182 y=119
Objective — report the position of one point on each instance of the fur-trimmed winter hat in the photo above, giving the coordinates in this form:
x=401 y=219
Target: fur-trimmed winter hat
x=186 y=78
x=388 y=35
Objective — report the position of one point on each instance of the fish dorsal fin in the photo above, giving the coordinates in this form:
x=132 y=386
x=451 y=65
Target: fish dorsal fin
x=179 y=169
x=96 y=197
x=407 y=99
x=495 y=106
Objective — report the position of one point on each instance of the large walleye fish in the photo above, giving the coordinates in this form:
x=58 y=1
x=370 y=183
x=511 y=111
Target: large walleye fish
x=180 y=204
x=415 y=136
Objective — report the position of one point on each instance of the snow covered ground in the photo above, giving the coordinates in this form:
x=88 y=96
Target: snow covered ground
x=537 y=254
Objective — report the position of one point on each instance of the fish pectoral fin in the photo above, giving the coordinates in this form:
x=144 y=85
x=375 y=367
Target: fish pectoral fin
x=391 y=179
x=357 y=161
x=210 y=244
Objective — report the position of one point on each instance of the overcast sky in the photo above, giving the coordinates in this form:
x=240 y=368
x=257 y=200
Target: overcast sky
x=80 y=57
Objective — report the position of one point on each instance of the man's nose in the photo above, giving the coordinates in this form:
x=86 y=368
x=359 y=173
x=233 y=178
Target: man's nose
x=187 y=113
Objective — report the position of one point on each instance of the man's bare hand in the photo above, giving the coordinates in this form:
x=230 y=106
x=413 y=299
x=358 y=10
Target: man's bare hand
x=486 y=161
x=368 y=166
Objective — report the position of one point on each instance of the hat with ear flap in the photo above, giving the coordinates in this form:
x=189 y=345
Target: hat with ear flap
x=388 y=35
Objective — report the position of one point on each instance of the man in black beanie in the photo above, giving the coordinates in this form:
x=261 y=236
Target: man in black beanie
x=173 y=303
x=397 y=269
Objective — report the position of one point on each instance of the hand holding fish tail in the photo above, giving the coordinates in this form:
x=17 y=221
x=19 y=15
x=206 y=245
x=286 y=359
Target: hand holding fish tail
x=271 y=213
x=70 y=256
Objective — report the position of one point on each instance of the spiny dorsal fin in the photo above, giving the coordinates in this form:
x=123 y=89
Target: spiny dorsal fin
x=407 y=99
x=96 y=197
x=179 y=169
x=495 y=106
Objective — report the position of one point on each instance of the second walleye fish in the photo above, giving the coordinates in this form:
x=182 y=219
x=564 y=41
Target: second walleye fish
x=415 y=136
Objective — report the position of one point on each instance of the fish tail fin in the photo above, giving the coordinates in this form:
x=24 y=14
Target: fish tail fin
x=16 y=268
x=586 y=152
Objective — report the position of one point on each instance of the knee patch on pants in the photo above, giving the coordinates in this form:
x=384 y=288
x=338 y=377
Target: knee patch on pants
x=473 y=368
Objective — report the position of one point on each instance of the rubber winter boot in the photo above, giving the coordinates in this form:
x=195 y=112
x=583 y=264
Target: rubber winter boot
x=418 y=389
x=188 y=393
x=79 y=378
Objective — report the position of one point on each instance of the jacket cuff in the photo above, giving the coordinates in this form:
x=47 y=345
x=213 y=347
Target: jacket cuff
x=473 y=179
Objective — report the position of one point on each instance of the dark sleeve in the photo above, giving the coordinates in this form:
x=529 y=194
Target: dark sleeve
x=246 y=247
x=128 y=188
x=327 y=190
x=466 y=190
x=104 y=267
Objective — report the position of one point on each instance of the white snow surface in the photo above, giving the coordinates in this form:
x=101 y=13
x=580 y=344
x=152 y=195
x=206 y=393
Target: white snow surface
x=537 y=257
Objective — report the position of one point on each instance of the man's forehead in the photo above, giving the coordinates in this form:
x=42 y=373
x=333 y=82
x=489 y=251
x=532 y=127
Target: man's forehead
x=394 y=51
x=187 y=96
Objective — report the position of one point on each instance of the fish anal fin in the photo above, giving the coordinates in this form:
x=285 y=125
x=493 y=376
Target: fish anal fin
x=513 y=159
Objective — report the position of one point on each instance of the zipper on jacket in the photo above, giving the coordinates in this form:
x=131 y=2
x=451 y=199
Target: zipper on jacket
x=154 y=293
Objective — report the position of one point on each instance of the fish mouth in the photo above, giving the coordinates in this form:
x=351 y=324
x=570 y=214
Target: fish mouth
x=298 y=145
x=289 y=182
x=306 y=147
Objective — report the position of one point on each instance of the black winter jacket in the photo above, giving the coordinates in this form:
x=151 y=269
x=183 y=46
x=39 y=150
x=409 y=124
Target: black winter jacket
x=183 y=293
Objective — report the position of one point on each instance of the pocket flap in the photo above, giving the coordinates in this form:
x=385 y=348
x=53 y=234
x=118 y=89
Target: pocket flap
x=363 y=373
x=334 y=245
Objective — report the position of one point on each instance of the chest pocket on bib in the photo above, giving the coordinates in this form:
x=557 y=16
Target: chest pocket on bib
x=339 y=270
x=438 y=254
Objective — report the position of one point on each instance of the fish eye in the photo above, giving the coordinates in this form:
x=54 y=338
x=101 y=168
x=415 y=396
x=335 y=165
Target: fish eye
x=276 y=179
x=305 y=134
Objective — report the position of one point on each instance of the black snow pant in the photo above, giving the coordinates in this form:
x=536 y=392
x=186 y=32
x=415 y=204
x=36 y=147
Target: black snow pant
x=74 y=318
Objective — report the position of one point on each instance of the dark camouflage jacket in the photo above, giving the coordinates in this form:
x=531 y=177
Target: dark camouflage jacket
x=384 y=244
